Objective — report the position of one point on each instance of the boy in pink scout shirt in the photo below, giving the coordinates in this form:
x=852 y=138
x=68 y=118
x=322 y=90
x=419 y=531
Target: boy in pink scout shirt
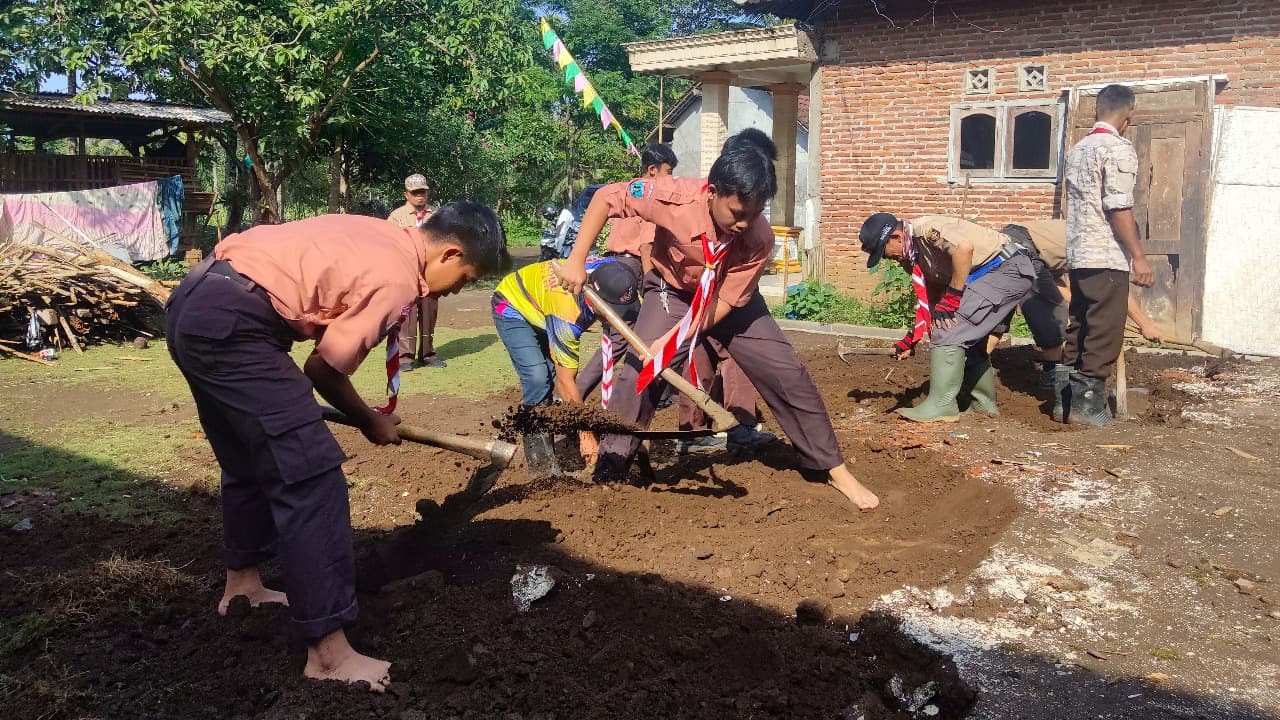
x=709 y=250
x=231 y=324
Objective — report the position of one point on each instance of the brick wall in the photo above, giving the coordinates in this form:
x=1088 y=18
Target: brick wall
x=887 y=92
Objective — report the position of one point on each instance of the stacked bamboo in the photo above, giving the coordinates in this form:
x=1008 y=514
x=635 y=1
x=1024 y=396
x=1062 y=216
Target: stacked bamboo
x=82 y=293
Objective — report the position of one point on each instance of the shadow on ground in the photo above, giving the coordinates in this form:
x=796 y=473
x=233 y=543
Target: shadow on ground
x=108 y=618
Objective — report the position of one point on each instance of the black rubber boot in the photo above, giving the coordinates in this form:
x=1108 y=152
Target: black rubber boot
x=1088 y=401
x=1061 y=391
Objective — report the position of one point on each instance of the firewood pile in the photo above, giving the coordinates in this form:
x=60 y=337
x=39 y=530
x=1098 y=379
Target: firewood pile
x=79 y=294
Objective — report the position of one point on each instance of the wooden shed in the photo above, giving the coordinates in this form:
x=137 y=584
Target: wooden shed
x=163 y=140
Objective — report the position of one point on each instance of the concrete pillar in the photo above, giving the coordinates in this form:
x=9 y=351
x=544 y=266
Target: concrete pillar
x=785 y=108
x=714 y=120
x=812 y=218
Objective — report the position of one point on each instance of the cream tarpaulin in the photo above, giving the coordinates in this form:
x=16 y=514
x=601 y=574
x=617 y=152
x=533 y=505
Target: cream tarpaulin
x=128 y=217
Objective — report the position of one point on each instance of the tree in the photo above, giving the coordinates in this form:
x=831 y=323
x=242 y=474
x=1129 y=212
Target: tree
x=286 y=71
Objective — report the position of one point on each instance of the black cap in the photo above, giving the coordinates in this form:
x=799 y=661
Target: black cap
x=875 y=234
x=617 y=285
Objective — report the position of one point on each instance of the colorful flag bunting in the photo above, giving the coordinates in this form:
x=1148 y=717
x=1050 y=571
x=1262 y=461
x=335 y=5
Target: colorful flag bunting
x=573 y=74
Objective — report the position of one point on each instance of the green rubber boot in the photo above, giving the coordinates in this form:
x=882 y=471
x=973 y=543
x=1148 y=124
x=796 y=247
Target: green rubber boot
x=946 y=371
x=980 y=379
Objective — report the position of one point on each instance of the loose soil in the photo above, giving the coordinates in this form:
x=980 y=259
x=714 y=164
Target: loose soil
x=677 y=599
x=564 y=419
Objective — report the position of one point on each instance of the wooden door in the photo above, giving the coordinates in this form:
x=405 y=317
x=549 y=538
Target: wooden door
x=1171 y=130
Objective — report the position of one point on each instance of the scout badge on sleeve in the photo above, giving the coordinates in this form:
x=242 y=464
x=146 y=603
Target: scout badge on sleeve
x=691 y=322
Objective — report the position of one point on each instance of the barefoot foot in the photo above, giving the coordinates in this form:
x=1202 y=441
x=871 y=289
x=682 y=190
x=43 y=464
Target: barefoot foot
x=248 y=582
x=333 y=658
x=857 y=493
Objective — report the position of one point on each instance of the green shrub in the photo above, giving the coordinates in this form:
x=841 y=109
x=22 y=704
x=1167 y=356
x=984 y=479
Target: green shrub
x=167 y=269
x=809 y=299
x=522 y=232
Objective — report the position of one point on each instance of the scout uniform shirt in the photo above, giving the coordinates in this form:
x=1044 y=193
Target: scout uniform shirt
x=935 y=237
x=346 y=306
x=1050 y=239
x=678 y=209
x=1101 y=171
x=532 y=294
x=628 y=235
x=406 y=217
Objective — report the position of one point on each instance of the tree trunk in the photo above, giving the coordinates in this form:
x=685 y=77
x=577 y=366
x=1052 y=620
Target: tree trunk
x=262 y=187
x=338 y=177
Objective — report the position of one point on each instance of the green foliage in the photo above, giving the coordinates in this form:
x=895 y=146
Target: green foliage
x=522 y=232
x=809 y=299
x=822 y=303
x=897 y=306
x=167 y=269
x=460 y=90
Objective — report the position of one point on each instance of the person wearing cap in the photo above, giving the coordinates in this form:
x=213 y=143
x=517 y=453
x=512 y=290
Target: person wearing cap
x=423 y=314
x=709 y=251
x=1045 y=309
x=231 y=324
x=969 y=278
x=1104 y=255
x=541 y=325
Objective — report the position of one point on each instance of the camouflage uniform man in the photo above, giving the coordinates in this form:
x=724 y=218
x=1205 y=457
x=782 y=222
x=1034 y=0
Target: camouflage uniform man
x=1102 y=246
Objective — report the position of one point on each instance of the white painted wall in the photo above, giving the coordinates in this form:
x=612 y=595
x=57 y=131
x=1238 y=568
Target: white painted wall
x=1242 y=247
x=748 y=107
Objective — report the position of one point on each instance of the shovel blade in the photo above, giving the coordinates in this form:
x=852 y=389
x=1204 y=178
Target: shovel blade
x=540 y=455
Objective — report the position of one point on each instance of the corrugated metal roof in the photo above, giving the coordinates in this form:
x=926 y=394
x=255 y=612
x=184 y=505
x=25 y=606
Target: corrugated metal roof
x=136 y=109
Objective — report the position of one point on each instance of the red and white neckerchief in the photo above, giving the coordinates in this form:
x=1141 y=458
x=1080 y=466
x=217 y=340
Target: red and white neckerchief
x=922 y=324
x=420 y=216
x=1104 y=129
x=606 y=378
x=692 y=321
x=393 y=364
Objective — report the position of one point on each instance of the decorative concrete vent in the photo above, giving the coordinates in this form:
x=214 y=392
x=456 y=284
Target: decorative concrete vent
x=977 y=81
x=1033 y=78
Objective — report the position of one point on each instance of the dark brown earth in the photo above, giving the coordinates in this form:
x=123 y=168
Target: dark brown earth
x=678 y=599
x=563 y=419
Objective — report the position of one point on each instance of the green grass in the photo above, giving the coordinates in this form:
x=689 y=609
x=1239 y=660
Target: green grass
x=478 y=366
x=99 y=463
x=102 y=466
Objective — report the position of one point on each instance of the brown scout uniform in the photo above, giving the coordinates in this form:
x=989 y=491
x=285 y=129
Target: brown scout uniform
x=421 y=321
x=989 y=295
x=678 y=207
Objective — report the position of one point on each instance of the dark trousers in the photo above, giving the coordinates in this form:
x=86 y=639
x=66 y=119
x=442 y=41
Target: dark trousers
x=592 y=372
x=283 y=491
x=420 y=323
x=1095 y=330
x=1045 y=309
x=726 y=384
x=751 y=337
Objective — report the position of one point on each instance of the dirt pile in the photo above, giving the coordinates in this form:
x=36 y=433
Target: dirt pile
x=561 y=419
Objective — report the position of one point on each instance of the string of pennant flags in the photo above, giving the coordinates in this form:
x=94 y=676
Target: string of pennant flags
x=581 y=85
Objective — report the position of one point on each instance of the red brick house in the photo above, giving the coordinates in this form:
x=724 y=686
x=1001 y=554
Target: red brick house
x=967 y=106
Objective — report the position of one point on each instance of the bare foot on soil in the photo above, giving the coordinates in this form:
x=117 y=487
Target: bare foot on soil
x=333 y=658
x=248 y=582
x=857 y=493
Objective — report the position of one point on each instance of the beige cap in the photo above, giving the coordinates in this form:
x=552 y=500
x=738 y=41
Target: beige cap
x=416 y=182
